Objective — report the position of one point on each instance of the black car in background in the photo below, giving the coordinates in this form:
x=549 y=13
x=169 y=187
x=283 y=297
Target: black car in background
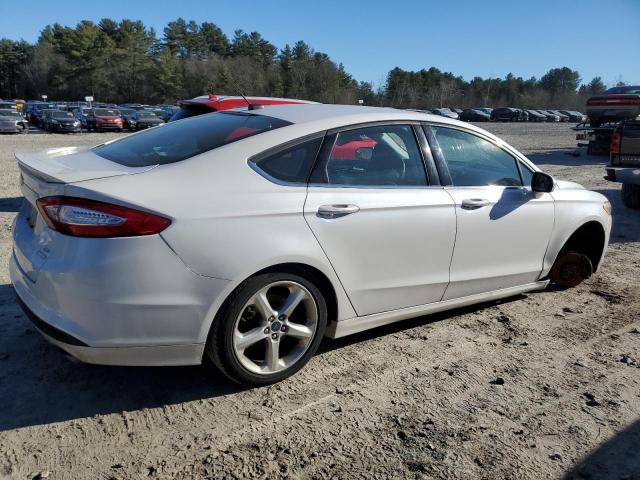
x=507 y=114
x=574 y=116
x=563 y=117
x=536 y=116
x=474 y=115
x=34 y=115
x=142 y=119
x=60 y=121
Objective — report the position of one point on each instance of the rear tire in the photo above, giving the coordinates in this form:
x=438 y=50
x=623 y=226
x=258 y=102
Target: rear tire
x=267 y=329
x=631 y=195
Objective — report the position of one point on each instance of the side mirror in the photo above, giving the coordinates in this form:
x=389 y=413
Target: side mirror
x=541 y=182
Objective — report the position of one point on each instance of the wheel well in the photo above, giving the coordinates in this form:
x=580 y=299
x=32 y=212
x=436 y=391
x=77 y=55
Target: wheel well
x=588 y=240
x=312 y=274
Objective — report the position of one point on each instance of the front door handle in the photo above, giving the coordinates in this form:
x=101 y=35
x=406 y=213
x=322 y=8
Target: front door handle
x=336 y=211
x=474 y=203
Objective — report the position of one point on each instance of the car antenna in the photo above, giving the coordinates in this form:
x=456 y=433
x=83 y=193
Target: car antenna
x=252 y=106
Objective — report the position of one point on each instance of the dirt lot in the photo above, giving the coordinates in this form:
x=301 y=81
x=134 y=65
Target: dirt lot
x=419 y=399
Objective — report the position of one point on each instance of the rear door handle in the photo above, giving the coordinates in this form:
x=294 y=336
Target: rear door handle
x=336 y=211
x=474 y=203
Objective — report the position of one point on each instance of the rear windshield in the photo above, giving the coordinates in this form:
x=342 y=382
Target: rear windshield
x=62 y=115
x=103 y=112
x=173 y=142
x=146 y=114
x=186 y=111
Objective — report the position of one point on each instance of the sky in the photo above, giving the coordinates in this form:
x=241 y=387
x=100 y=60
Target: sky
x=370 y=37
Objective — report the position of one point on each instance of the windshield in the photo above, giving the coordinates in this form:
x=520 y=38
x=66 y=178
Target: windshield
x=103 y=112
x=146 y=115
x=62 y=115
x=178 y=141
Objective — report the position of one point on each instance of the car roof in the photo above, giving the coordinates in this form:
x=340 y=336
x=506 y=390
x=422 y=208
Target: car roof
x=318 y=117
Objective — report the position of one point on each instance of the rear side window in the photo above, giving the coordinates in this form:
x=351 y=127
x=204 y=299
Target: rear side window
x=473 y=161
x=382 y=156
x=173 y=142
x=289 y=164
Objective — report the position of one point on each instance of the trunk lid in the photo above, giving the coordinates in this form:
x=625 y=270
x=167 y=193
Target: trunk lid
x=69 y=165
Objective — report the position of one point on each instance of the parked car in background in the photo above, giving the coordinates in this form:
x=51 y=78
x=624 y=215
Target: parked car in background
x=141 y=119
x=615 y=104
x=624 y=161
x=9 y=105
x=574 y=116
x=12 y=122
x=457 y=110
x=270 y=239
x=507 y=114
x=81 y=114
x=444 y=112
x=474 y=115
x=100 y=119
x=485 y=110
x=563 y=117
x=214 y=103
x=128 y=122
x=35 y=117
x=535 y=116
x=551 y=117
x=60 y=121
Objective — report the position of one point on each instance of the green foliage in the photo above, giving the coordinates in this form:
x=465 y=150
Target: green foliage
x=125 y=62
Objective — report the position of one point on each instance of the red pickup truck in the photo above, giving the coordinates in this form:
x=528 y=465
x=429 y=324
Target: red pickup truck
x=615 y=104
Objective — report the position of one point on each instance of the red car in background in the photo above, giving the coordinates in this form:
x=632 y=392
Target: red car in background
x=213 y=103
x=100 y=119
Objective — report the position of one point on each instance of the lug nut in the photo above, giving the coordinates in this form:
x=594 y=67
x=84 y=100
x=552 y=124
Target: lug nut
x=266 y=330
x=274 y=336
x=281 y=317
x=272 y=318
x=283 y=328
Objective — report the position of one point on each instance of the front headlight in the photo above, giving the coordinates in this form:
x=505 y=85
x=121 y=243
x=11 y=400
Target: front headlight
x=76 y=123
x=606 y=206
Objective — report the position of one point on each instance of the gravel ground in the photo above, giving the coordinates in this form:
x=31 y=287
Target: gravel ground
x=540 y=386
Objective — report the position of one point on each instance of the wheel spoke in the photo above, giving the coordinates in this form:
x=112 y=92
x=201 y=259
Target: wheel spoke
x=244 y=341
x=261 y=302
x=272 y=355
x=293 y=300
x=298 y=331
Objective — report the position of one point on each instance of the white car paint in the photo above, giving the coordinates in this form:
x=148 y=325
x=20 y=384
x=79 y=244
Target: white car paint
x=406 y=251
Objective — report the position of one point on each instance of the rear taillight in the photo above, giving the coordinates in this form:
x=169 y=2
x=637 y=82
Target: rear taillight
x=615 y=141
x=614 y=100
x=81 y=217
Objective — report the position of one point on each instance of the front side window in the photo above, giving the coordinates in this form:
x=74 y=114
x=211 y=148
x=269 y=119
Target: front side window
x=474 y=161
x=290 y=164
x=173 y=142
x=380 y=156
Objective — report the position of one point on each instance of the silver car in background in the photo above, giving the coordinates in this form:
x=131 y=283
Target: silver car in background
x=248 y=236
x=12 y=122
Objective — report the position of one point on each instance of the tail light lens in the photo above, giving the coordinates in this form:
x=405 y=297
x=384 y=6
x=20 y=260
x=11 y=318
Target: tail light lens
x=615 y=141
x=81 y=217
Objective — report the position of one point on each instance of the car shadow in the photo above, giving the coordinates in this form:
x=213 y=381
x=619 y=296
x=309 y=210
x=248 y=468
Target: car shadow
x=567 y=157
x=616 y=458
x=10 y=204
x=40 y=384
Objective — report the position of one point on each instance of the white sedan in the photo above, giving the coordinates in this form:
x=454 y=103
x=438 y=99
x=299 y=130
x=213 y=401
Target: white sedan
x=247 y=236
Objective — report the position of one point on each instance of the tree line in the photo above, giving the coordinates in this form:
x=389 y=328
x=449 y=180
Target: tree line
x=127 y=61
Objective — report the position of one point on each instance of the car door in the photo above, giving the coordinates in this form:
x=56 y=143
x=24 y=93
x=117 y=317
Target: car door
x=388 y=234
x=503 y=228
